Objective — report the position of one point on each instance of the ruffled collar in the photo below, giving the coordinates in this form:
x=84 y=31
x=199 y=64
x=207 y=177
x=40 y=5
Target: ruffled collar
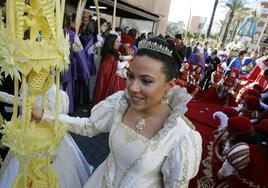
x=178 y=99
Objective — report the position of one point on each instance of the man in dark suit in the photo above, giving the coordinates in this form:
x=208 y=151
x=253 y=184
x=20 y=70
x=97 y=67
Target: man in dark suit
x=181 y=48
x=211 y=65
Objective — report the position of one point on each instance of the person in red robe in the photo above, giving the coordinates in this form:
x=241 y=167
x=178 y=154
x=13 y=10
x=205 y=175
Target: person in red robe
x=258 y=75
x=183 y=76
x=108 y=80
x=127 y=52
x=251 y=108
x=246 y=154
x=226 y=85
x=247 y=158
x=195 y=77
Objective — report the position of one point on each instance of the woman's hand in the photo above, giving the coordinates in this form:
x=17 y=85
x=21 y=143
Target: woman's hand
x=37 y=114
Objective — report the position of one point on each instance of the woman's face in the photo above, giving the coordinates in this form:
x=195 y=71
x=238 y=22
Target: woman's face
x=146 y=83
x=126 y=45
x=117 y=44
x=103 y=27
x=199 y=69
x=119 y=33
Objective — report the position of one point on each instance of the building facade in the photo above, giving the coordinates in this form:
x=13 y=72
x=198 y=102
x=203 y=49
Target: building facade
x=197 y=23
x=262 y=26
x=143 y=15
x=158 y=7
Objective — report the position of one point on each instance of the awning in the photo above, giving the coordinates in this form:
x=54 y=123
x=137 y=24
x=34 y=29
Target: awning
x=124 y=10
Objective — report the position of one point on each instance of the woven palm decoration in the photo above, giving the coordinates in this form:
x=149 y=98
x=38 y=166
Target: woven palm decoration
x=32 y=46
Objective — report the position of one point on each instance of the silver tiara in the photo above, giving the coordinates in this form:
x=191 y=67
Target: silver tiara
x=145 y=44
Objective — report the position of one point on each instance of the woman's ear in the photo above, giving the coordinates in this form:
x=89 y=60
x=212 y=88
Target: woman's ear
x=171 y=84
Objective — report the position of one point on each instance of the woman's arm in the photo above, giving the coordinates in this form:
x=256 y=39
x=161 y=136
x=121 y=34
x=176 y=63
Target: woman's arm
x=7 y=98
x=100 y=120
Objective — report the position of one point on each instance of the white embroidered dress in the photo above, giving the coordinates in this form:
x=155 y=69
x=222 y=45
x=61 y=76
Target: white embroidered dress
x=169 y=159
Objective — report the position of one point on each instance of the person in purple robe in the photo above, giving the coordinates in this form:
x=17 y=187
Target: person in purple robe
x=75 y=79
x=198 y=59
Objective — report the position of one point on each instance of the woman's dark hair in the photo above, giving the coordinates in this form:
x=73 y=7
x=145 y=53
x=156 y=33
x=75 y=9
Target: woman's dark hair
x=175 y=54
x=170 y=64
x=167 y=37
x=95 y=32
x=119 y=29
x=141 y=37
x=133 y=33
x=161 y=36
x=242 y=52
x=108 y=46
x=178 y=36
x=265 y=73
x=67 y=20
x=109 y=27
x=2 y=3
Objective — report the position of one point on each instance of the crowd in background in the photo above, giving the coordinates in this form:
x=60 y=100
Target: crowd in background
x=99 y=64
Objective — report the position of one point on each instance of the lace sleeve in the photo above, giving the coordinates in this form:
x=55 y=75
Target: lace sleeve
x=182 y=163
x=7 y=98
x=100 y=120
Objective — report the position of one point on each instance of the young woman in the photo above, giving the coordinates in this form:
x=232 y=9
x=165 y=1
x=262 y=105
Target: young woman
x=134 y=34
x=94 y=43
x=152 y=144
x=109 y=81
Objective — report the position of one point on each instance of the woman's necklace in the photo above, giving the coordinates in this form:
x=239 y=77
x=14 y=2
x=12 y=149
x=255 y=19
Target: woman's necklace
x=140 y=125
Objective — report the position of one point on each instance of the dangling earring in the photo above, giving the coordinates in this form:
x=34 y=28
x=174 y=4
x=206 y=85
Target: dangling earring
x=165 y=100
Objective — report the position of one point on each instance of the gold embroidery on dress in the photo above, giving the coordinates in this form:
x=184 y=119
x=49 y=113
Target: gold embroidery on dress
x=170 y=167
x=129 y=135
x=188 y=122
x=249 y=183
x=112 y=134
x=93 y=130
x=157 y=183
x=100 y=118
x=147 y=145
x=195 y=152
x=185 y=148
x=106 y=182
x=154 y=145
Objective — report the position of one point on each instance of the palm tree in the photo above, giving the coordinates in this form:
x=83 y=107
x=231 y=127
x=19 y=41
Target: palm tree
x=223 y=24
x=212 y=17
x=234 y=6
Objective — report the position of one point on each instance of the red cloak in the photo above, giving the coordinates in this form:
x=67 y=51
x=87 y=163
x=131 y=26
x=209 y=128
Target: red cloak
x=108 y=82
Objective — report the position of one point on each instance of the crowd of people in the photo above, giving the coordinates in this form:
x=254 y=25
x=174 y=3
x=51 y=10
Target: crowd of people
x=140 y=84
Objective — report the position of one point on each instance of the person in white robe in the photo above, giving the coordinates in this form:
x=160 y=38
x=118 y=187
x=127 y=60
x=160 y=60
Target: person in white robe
x=152 y=143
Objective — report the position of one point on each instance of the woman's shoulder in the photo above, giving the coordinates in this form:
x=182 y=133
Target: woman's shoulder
x=180 y=130
x=185 y=140
x=186 y=128
x=114 y=98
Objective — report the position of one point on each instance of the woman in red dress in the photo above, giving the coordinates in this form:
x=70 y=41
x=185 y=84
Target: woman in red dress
x=108 y=81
